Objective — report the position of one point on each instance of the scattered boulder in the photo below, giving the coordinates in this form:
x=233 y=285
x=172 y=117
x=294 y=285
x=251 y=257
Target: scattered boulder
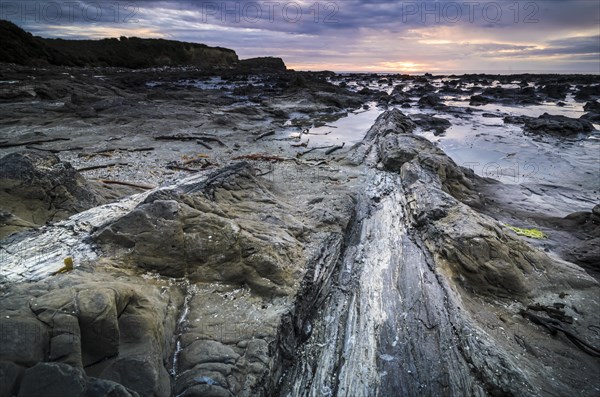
x=552 y=124
x=53 y=90
x=592 y=106
x=37 y=188
x=421 y=90
x=478 y=100
x=587 y=92
x=431 y=101
x=555 y=91
x=524 y=95
x=399 y=96
x=592 y=117
x=430 y=123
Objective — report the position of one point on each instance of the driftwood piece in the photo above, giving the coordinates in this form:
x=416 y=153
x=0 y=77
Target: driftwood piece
x=333 y=149
x=177 y=137
x=300 y=154
x=554 y=326
x=141 y=149
x=108 y=152
x=137 y=185
x=69 y=149
x=260 y=157
x=326 y=133
x=197 y=138
x=97 y=167
x=210 y=139
x=6 y=144
x=195 y=159
x=180 y=168
x=264 y=135
x=303 y=144
x=204 y=144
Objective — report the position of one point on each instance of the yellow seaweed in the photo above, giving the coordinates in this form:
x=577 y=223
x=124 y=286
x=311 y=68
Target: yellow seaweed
x=531 y=233
x=68 y=261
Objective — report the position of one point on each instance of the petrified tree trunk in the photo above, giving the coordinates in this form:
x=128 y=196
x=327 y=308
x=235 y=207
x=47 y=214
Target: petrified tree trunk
x=425 y=298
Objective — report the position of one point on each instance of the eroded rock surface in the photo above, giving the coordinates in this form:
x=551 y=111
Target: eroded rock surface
x=188 y=296
x=257 y=263
x=37 y=188
x=229 y=229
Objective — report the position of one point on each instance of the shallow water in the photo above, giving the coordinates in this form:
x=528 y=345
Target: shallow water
x=346 y=130
x=487 y=145
x=504 y=152
x=571 y=109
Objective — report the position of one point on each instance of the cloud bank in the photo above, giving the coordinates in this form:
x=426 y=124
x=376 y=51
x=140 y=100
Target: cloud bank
x=348 y=35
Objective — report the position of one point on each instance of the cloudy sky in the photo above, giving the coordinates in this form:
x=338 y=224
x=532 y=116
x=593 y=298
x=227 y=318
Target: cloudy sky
x=348 y=35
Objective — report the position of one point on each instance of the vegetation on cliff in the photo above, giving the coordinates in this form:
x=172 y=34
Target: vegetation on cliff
x=21 y=47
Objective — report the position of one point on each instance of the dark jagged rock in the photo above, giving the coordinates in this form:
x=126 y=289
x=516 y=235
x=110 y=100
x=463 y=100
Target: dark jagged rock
x=421 y=90
x=587 y=92
x=477 y=100
x=37 y=187
x=17 y=92
x=552 y=124
x=430 y=123
x=555 y=91
x=592 y=106
x=592 y=117
x=431 y=101
x=524 y=95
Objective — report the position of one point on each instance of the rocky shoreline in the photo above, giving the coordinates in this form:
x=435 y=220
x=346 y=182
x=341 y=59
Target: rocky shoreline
x=232 y=236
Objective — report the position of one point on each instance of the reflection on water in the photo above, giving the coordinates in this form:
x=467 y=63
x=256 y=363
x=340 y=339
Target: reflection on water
x=570 y=109
x=504 y=152
x=483 y=142
x=349 y=130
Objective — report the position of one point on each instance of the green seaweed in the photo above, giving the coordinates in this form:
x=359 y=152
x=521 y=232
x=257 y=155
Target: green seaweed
x=531 y=233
